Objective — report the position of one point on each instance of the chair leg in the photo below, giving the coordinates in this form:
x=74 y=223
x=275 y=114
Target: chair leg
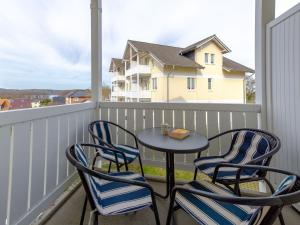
x=96 y=219
x=109 y=167
x=195 y=174
x=237 y=189
x=118 y=167
x=171 y=208
x=94 y=162
x=280 y=216
x=154 y=208
x=141 y=165
x=83 y=211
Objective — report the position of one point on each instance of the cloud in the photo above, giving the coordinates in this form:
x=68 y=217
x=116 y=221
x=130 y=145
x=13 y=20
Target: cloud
x=179 y=23
x=47 y=43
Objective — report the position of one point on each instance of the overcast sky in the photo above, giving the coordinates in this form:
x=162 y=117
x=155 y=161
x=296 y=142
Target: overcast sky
x=46 y=44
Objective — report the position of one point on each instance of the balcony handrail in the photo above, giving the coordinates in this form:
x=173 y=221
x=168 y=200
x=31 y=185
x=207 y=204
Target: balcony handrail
x=23 y=115
x=220 y=107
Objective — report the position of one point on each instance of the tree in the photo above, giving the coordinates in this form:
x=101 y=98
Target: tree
x=250 y=88
x=106 y=93
x=45 y=102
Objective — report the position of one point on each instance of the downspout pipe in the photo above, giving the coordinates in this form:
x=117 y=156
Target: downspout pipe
x=168 y=84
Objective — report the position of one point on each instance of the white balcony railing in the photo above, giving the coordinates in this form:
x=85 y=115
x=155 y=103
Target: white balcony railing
x=33 y=167
x=136 y=94
x=118 y=93
x=141 y=69
x=117 y=77
x=207 y=119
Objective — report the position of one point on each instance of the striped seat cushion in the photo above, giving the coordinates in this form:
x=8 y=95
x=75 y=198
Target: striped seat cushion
x=112 y=198
x=80 y=155
x=130 y=154
x=102 y=130
x=210 y=212
x=286 y=185
x=245 y=146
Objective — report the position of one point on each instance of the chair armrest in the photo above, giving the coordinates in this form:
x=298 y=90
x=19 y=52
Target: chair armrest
x=250 y=201
x=127 y=131
x=99 y=175
x=100 y=140
x=248 y=166
x=114 y=150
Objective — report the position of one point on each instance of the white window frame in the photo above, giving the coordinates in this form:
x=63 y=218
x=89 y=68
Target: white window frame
x=191 y=83
x=212 y=59
x=209 y=84
x=206 y=58
x=154 y=83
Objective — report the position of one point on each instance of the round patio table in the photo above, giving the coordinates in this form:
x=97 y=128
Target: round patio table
x=153 y=139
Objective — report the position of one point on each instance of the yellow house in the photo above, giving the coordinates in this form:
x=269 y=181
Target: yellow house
x=159 y=73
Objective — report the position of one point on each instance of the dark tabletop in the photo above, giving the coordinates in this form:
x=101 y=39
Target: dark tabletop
x=152 y=138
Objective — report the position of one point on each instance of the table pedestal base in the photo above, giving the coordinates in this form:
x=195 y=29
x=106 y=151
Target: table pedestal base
x=170 y=175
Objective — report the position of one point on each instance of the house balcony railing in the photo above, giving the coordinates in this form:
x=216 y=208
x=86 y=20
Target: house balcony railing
x=138 y=94
x=34 y=169
x=207 y=119
x=141 y=69
x=118 y=93
x=117 y=77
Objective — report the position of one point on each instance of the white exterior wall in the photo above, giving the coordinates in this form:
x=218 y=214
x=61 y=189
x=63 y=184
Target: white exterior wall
x=283 y=87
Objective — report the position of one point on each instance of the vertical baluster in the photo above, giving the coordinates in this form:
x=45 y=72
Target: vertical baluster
x=190 y=125
x=201 y=126
x=168 y=117
x=178 y=123
x=20 y=171
x=68 y=136
x=225 y=124
x=130 y=125
x=139 y=127
x=64 y=138
x=122 y=123
x=38 y=162
x=213 y=129
x=113 y=118
x=5 y=140
x=52 y=164
x=158 y=119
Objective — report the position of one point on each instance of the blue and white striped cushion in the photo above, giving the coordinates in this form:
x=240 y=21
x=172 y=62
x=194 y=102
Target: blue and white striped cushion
x=80 y=155
x=210 y=212
x=102 y=130
x=112 y=198
x=286 y=185
x=246 y=146
x=130 y=154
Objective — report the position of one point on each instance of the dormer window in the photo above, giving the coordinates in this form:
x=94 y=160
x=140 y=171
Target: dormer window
x=206 y=58
x=209 y=58
x=212 y=58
